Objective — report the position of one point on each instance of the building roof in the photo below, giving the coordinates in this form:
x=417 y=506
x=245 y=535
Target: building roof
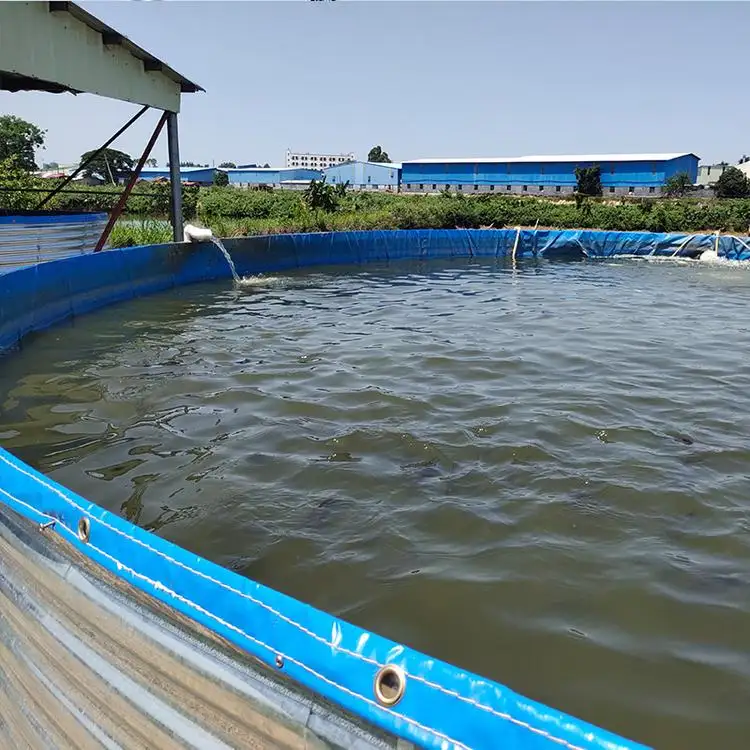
x=267 y=169
x=165 y=170
x=387 y=164
x=564 y=158
x=59 y=47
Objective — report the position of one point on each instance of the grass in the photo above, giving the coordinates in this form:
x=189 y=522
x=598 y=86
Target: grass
x=136 y=232
x=230 y=212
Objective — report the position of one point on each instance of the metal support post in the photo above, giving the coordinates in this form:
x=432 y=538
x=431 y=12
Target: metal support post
x=175 y=183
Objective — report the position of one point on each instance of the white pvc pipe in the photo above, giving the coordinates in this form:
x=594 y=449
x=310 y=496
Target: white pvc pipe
x=192 y=233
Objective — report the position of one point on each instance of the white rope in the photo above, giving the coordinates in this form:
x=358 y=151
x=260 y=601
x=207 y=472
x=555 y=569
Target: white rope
x=515 y=244
x=681 y=246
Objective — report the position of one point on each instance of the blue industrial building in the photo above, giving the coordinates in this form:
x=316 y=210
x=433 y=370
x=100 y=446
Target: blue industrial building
x=201 y=175
x=622 y=174
x=365 y=175
x=278 y=177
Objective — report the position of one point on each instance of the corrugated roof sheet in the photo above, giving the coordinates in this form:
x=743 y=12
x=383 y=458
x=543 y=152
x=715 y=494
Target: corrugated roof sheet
x=388 y=164
x=553 y=158
x=186 y=86
x=165 y=170
x=267 y=169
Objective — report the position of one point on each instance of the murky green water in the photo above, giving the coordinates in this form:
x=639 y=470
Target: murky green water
x=538 y=475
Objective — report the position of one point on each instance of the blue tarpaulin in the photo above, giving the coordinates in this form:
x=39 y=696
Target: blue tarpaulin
x=442 y=707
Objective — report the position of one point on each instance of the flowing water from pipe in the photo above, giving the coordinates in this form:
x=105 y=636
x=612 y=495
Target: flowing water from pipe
x=228 y=259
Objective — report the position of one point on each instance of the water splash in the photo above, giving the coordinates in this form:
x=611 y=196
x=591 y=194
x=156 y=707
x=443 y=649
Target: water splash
x=228 y=259
x=260 y=281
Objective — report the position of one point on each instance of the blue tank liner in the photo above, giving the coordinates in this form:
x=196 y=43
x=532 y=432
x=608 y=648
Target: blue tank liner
x=443 y=707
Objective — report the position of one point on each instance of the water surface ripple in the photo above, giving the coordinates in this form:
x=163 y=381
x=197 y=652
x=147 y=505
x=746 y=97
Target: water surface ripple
x=537 y=474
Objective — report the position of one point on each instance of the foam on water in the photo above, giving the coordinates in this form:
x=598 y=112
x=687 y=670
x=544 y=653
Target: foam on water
x=260 y=281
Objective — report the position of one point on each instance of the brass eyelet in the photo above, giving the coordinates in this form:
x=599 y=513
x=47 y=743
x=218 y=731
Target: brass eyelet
x=390 y=685
x=84 y=529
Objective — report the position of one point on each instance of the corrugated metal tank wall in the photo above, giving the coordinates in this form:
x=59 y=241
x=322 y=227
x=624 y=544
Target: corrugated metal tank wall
x=26 y=240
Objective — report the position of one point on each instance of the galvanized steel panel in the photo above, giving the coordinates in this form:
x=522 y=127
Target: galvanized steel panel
x=87 y=661
x=27 y=240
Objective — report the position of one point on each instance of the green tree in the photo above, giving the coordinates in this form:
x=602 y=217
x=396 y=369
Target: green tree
x=589 y=180
x=678 y=185
x=732 y=184
x=227 y=165
x=221 y=179
x=377 y=154
x=110 y=165
x=19 y=139
x=50 y=165
x=16 y=181
x=152 y=163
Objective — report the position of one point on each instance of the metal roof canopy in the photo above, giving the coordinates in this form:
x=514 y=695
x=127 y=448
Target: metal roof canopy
x=58 y=47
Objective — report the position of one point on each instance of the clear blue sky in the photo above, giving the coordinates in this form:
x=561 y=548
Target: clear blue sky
x=428 y=79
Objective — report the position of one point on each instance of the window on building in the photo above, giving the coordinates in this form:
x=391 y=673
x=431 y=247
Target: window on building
x=509 y=188
x=492 y=187
x=525 y=188
x=459 y=187
x=611 y=190
x=651 y=190
x=434 y=187
x=375 y=187
x=421 y=187
x=476 y=187
x=541 y=188
x=369 y=178
x=447 y=187
x=557 y=188
x=631 y=189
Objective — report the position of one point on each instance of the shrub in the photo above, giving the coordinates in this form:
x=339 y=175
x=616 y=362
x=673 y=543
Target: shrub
x=732 y=184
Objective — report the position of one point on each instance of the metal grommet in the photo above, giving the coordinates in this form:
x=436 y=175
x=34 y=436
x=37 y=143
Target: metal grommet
x=390 y=685
x=84 y=529
x=279 y=661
